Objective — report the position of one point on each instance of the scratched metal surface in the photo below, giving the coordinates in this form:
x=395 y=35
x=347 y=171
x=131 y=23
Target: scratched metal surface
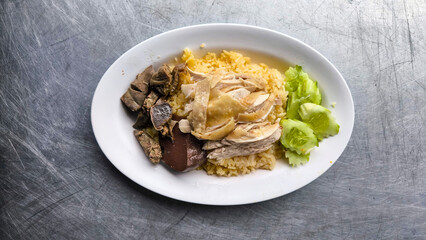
x=55 y=183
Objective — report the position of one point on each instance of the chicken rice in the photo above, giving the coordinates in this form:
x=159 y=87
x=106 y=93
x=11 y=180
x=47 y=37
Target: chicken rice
x=235 y=106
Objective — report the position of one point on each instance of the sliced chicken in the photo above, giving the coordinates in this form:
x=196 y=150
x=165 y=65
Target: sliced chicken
x=198 y=116
x=188 y=108
x=246 y=148
x=239 y=93
x=236 y=76
x=260 y=83
x=252 y=97
x=252 y=132
x=258 y=113
x=244 y=133
x=217 y=132
x=196 y=76
x=233 y=84
x=226 y=83
x=222 y=107
x=259 y=100
x=188 y=90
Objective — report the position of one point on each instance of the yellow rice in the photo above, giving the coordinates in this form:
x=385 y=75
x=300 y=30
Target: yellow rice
x=235 y=62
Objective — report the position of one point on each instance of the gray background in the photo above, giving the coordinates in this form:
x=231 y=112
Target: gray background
x=56 y=183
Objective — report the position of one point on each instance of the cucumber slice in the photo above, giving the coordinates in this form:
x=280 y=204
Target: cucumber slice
x=293 y=76
x=299 y=82
x=293 y=106
x=295 y=159
x=308 y=91
x=320 y=120
x=302 y=90
x=297 y=136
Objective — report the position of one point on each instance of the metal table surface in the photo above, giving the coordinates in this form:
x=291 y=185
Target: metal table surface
x=55 y=182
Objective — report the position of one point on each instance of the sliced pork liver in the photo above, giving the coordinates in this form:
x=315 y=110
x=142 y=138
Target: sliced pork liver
x=184 y=153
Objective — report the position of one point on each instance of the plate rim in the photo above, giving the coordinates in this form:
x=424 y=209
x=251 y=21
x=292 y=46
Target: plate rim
x=256 y=28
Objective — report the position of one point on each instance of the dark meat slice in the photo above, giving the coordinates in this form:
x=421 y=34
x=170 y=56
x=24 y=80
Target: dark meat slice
x=141 y=83
x=170 y=127
x=160 y=113
x=148 y=139
x=178 y=69
x=130 y=102
x=137 y=96
x=167 y=129
x=184 y=153
x=134 y=97
x=162 y=79
x=150 y=100
x=143 y=120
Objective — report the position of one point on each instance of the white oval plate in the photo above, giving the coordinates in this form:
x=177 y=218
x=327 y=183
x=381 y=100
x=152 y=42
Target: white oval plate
x=112 y=124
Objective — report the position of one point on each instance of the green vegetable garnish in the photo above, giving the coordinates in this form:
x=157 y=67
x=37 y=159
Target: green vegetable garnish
x=302 y=90
x=296 y=159
x=308 y=90
x=293 y=107
x=300 y=137
x=320 y=120
x=293 y=77
x=297 y=136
